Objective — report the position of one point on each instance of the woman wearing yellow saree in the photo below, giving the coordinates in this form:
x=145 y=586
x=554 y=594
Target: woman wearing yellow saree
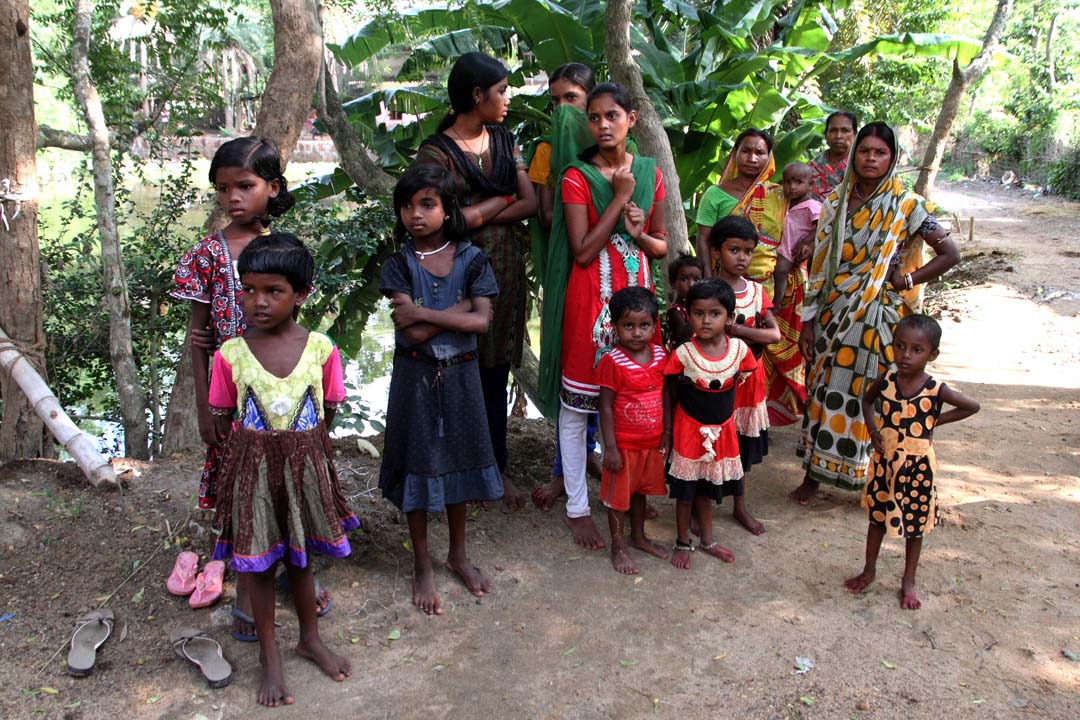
x=745 y=189
x=867 y=271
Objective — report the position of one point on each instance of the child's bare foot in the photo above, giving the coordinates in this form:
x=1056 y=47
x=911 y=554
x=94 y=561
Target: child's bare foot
x=718 y=551
x=908 y=599
x=649 y=546
x=621 y=561
x=322 y=599
x=512 y=497
x=680 y=557
x=545 y=496
x=585 y=533
x=803 y=494
x=423 y=591
x=469 y=574
x=651 y=514
x=748 y=521
x=273 y=692
x=314 y=649
x=860 y=582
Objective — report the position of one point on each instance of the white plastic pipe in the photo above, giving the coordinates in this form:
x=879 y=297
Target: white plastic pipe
x=94 y=465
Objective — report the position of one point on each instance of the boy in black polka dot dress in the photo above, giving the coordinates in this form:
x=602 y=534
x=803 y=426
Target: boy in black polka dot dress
x=899 y=496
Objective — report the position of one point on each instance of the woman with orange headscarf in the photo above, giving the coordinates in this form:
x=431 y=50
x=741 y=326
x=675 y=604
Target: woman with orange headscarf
x=745 y=189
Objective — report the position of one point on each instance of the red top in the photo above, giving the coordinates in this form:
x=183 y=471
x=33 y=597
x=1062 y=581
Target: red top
x=639 y=397
x=582 y=341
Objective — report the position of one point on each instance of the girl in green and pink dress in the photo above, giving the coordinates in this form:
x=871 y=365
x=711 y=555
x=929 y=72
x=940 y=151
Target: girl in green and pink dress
x=273 y=393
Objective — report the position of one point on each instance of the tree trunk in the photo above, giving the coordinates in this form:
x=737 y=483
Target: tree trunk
x=181 y=418
x=356 y=161
x=961 y=81
x=20 y=273
x=650 y=134
x=128 y=386
x=284 y=108
x=1051 y=74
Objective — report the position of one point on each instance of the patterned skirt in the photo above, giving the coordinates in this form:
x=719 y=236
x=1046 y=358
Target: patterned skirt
x=900 y=492
x=279 y=497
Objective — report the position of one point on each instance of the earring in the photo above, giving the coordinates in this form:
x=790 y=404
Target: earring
x=445 y=218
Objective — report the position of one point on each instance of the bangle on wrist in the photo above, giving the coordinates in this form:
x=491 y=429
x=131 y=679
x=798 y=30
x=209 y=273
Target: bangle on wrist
x=509 y=200
x=908 y=282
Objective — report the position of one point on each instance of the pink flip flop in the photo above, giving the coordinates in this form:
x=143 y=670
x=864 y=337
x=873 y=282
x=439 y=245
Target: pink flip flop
x=182 y=578
x=208 y=585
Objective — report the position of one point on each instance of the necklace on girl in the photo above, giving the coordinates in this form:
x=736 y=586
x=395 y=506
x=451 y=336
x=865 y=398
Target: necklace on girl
x=423 y=255
x=479 y=155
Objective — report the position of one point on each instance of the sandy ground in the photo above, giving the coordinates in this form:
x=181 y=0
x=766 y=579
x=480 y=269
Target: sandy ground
x=562 y=635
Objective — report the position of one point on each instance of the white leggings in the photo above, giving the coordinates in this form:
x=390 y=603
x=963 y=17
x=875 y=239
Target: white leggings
x=574 y=451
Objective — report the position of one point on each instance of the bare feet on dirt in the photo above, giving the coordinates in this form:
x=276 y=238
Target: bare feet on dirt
x=469 y=574
x=908 y=599
x=322 y=599
x=513 y=498
x=680 y=557
x=748 y=521
x=650 y=513
x=718 y=551
x=620 y=560
x=804 y=493
x=314 y=649
x=647 y=545
x=585 y=533
x=423 y=591
x=273 y=692
x=545 y=496
x=860 y=582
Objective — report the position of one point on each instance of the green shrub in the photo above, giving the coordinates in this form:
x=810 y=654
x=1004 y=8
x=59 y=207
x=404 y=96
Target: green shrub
x=1002 y=136
x=1065 y=175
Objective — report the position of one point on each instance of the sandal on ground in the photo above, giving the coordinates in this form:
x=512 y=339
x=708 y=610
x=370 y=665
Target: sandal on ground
x=208 y=585
x=91 y=631
x=182 y=578
x=204 y=652
x=243 y=617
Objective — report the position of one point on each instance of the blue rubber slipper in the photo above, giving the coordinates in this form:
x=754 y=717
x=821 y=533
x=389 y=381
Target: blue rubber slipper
x=243 y=617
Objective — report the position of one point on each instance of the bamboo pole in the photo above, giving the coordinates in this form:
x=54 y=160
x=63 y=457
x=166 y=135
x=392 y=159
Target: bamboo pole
x=75 y=441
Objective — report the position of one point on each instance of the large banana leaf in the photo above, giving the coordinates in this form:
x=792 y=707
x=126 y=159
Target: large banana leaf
x=700 y=67
x=952 y=47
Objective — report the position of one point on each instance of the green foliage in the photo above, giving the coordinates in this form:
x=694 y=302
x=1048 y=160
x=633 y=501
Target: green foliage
x=177 y=36
x=75 y=318
x=1065 y=175
x=902 y=90
x=1000 y=135
x=709 y=72
x=350 y=241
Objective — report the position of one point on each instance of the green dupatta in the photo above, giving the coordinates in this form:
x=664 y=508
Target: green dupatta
x=559 y=262
x=569 y=136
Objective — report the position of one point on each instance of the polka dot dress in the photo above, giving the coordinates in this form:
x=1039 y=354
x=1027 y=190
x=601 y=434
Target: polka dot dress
x=900 y=491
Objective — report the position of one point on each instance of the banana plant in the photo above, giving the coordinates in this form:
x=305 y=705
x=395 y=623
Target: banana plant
x=710 y=69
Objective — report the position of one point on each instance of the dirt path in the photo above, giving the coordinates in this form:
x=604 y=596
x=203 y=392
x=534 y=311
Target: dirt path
x=564 y=636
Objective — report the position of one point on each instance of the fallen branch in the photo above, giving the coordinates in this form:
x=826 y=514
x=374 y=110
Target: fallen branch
x=48 y=408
